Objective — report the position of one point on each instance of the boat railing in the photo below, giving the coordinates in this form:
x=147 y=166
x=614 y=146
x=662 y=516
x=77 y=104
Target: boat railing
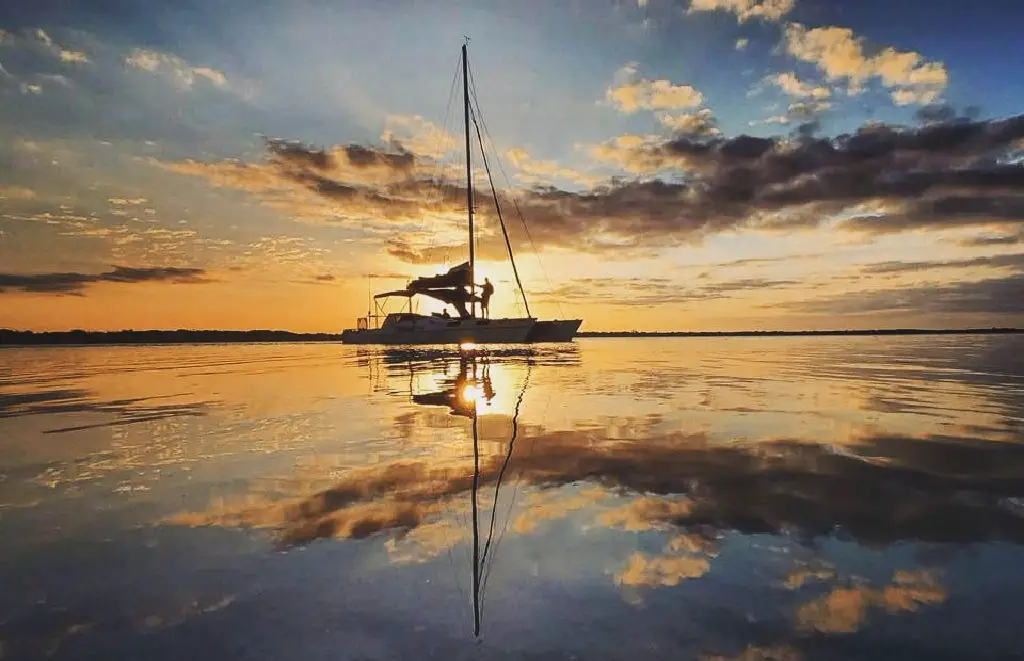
x=370 y=321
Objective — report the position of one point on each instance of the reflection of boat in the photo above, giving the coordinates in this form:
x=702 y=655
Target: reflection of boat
x=457 y=287
x=464 y=395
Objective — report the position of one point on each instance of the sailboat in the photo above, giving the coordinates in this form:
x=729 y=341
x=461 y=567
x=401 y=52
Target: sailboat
x=457 y=287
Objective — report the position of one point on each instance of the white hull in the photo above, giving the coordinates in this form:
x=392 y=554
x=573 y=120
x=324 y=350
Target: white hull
x=416 y=329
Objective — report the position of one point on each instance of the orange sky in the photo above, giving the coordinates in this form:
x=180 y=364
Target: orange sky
x=813 y=177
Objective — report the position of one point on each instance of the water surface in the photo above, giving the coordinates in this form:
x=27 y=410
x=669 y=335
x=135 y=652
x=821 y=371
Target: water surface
x=734 y=498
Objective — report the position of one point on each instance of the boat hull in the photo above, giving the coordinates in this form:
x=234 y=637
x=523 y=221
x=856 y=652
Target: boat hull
x=465 y=331
x=557 y=330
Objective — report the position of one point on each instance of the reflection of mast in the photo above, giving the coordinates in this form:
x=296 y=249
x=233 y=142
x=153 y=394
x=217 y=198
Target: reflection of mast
x=480 y=559
x=476 y=524
x=462 y=395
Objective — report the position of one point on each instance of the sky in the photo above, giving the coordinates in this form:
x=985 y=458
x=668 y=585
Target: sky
x=660 y=164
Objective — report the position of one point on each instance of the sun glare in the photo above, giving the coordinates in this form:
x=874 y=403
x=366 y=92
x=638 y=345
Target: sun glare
x=470 y=393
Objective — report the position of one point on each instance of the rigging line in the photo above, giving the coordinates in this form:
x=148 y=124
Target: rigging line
x=508 y=458
x=504 y=528
x=478 y=113
x=512 y=196
x=515 y=491
x=444 y=140
x=497 y=207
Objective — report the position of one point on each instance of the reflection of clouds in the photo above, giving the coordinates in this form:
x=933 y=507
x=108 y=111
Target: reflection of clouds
x=653 y=571
x=543 y=506
x=647 y=513
x=174 y=617
x=845 y=609
x=799 y=577
x=693 y=543
x=755 y=653
x=685 y=556
x=66 y=400
x=427 y=541
x=768 y=487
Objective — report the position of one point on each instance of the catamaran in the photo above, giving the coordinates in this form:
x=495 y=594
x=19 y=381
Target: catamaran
x=457 y=287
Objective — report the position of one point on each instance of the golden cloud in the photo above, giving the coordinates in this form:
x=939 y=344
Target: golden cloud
x=769 y=10
x=840 y=55
x=634 y=93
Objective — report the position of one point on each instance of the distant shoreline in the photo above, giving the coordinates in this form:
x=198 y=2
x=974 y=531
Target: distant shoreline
x=799 y=333
x=76 y=337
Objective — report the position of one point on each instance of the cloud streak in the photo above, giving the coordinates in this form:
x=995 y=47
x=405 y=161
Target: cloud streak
x=74 y=283
x=177 y=69
x=991 y=296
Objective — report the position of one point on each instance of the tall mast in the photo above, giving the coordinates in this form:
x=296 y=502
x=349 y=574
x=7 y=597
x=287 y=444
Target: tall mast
x=469 y=181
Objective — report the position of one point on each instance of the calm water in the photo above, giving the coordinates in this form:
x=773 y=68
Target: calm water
x=740 y=498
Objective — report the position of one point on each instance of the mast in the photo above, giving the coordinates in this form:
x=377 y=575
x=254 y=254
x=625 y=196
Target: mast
x=469 y=182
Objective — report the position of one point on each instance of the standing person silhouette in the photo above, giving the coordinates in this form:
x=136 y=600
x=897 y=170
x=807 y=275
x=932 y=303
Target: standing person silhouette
x=486 y=290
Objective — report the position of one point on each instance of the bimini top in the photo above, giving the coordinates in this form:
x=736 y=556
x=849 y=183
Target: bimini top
x=448 y=287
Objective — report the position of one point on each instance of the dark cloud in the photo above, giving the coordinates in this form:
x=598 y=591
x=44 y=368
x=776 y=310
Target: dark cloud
x=993 y=240
x=942 y=173
x=765 y=260
x=992 y=296
x=74 y=283
x=1013 y=261
x=303 y=156
x=935 y=112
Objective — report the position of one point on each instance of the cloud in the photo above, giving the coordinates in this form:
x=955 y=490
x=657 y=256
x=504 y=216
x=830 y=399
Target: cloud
x=883 y=178
x=73 y=56
x=702 y=122
x=64 y=54
x=768 y=10
x=840 y=55
x=655 y=291
x=805 y=111
x=542 y=171
x=937 y=175
x=795 y=87
x=420 y=136
x=993 y=240
x=910 y=96
x=1011 y=261
x=71 y=282
x=774 y=119
x=633 y=93
x=991 y=296
x=181 y=72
